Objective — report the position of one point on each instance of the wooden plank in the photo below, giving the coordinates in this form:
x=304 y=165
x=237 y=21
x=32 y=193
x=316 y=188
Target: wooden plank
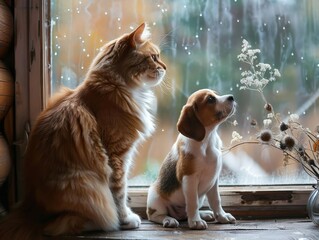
x=242 y=230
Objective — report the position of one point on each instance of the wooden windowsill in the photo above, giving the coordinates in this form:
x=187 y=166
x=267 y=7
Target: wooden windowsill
x=248 y=202
x=242 y=230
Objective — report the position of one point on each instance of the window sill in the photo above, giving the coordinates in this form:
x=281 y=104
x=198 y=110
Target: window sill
x=247 y=202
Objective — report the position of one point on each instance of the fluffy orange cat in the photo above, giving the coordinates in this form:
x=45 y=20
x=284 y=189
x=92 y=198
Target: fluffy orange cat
x=81 y=146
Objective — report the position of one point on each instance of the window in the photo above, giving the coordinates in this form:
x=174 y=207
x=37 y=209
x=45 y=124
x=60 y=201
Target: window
x=200 y=41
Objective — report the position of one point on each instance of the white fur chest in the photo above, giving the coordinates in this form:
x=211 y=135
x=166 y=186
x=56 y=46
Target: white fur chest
x=146 y=103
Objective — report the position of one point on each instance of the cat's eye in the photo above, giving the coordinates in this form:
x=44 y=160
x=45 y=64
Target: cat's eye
x=211 y=99
x=154 y=57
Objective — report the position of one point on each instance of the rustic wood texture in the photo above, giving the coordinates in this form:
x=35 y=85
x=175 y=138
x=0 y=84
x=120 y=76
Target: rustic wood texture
x=243 y=230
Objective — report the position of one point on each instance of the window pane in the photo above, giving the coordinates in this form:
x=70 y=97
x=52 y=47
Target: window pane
x=200 y=41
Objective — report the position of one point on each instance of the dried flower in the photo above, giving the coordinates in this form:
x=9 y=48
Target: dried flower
x=236 y=137
x=267 y=122
x=283 y=126
x=293 y=118
x=253 y=122
x=289 y=142
x=268 y=107
x=266 y=135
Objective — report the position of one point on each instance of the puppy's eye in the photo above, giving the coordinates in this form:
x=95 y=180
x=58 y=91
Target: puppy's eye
x=211 y=99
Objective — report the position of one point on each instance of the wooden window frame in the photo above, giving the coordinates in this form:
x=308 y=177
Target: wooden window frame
x=32 y=61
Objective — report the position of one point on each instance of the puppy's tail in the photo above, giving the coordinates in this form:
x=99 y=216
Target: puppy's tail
x=20 y=224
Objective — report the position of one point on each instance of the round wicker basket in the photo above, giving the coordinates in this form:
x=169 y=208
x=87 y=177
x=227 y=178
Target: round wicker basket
x=6 y=28
x=6 y=90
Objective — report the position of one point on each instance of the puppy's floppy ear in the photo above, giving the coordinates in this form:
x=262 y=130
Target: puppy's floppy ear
x=189 y=125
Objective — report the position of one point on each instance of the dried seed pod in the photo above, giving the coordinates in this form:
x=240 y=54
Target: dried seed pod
x=268 y=107
x=266 y=135
x=283 y=126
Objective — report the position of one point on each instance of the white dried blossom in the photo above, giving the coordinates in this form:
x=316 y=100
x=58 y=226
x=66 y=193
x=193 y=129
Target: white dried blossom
x=267 y=122
x=254 y=79
x=293 y=117
x=236 y=137
x=277 y=73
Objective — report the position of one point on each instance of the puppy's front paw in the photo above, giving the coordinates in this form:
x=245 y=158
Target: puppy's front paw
x=170 y=222
x=226 y=218
x=132 y=221
x=197 y=225
x=207 y=215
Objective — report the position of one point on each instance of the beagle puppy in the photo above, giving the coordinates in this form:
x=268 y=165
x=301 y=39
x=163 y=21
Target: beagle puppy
x=190 y=170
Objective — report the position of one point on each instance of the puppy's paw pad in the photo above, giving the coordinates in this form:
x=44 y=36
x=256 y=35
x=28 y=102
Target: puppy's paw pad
x=170 y=222
x=226 y=218
x=207 y=215
x=132 y=221
x=197 y=225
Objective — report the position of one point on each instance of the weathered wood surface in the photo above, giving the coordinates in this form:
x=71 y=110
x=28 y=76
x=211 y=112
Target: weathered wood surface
x=301 y=229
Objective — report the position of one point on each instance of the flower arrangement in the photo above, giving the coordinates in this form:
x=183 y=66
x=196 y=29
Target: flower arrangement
x=295 y=141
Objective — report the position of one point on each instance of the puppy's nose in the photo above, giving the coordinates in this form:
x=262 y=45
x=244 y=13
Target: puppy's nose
x=230 y=98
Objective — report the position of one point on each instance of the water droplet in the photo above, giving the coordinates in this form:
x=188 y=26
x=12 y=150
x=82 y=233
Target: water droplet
x=283 y=45
x=208 y=29
x=201 y=29
x=185 y=48
x=69 y=10
x=279 y=18
x=292 y=54
x=240 y=69
x=283 y=28
x=88 y=55
x=265 y=24
x=163 y=130
x=196 y=36
x=200 y=14
x=55 y=53
x=301 y=58
x=118 y=19
x=277 y=91
x=56 y=18
x=220 y=22
x=318 y=65
x=231 y=89
x=211 y=64
x=101 y=40
x=83 y=50
x=237 y=85
x=82 y=67
x=238 y=20
x=197 y=83
x=105 y=13
x=189 y=53
x=185 y=6
x=61 y=77
x=154 y=23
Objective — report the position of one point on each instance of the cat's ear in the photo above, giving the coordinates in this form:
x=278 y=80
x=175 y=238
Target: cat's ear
x=139 y=35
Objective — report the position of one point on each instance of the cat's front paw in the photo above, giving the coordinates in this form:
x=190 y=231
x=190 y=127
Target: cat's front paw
x=225 y=218
x=132 y=221
x=197 y=225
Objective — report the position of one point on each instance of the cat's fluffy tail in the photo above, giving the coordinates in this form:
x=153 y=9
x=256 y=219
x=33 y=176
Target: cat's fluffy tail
x=20 y=225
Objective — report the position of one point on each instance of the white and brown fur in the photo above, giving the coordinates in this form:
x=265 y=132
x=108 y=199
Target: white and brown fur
x=191 y=169
x=81 y=146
